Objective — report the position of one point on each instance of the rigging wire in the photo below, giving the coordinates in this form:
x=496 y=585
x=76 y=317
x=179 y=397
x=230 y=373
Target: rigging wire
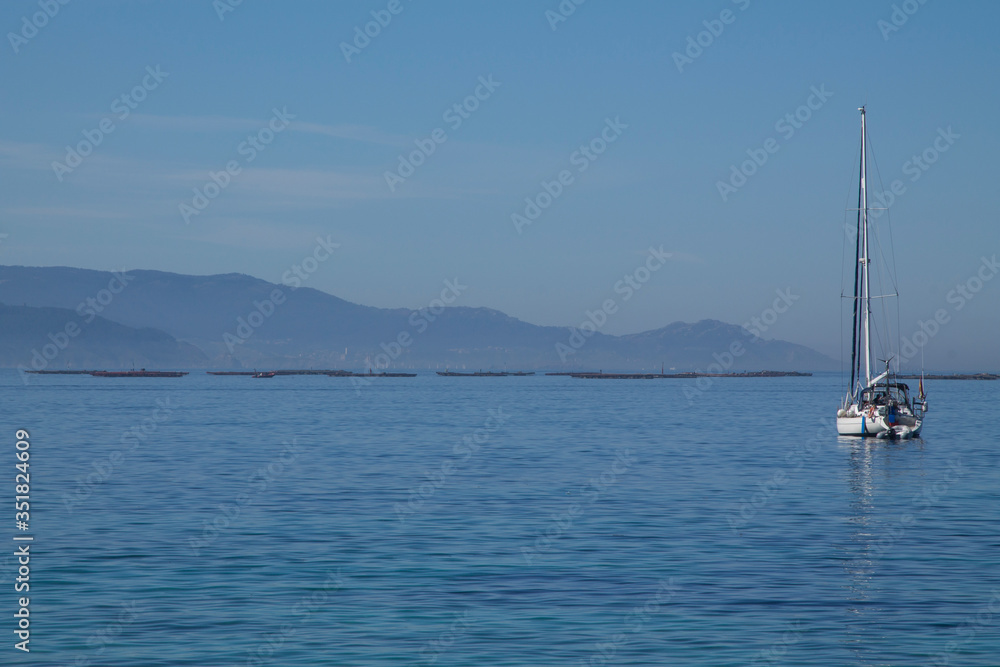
x=843 y=261
x=890 y=269
x=895 y=279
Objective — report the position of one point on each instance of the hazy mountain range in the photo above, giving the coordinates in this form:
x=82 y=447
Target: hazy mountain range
x=169 y=320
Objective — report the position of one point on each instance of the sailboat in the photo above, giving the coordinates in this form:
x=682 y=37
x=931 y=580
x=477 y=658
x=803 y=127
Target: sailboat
x=877 y=406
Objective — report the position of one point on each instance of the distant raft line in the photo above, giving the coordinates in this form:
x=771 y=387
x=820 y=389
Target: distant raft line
x=955 y=376
x=142 y=373
x=586 y=375
x=341 y=373
x=681 y=376
x=485 y=374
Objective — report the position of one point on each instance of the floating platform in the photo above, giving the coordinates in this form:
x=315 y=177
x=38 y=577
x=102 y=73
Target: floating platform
x=284 y=372
x=143 y=373
x=630 y=376
x=681 y=376
x=60 y=372
x=369 y=374
x=486 y=374
x=954 y=376
x=329 y=373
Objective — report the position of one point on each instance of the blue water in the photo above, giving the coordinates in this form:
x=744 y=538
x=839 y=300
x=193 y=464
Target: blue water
x=292 y=521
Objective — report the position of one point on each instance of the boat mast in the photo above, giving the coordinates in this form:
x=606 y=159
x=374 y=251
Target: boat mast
x=865 y=285
x=856 y=301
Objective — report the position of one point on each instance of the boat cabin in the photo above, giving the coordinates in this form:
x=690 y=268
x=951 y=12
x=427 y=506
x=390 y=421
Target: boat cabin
x=886 y=394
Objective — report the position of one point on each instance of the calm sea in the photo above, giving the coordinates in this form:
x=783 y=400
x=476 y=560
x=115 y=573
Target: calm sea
x=498 y=521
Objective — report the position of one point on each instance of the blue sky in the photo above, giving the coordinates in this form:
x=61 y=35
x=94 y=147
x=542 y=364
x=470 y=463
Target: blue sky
x=555 y=89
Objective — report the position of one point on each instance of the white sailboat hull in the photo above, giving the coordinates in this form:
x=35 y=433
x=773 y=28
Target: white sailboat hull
x=865 y=426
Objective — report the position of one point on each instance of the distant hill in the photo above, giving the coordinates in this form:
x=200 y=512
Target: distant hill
x=232 y=319
x=702 y=340
x=58 y=338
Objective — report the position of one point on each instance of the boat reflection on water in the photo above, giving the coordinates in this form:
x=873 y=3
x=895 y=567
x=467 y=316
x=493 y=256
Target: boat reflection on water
x=880 y=471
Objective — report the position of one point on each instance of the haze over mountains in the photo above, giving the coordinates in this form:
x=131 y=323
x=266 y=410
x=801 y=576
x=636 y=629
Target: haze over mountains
x=168 y=320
